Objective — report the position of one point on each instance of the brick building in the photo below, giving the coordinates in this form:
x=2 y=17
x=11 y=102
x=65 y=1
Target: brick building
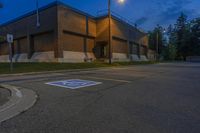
x=69 y=35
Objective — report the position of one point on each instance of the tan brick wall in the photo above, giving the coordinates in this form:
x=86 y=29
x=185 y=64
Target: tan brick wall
x=90 y=45
x=20 y=46
x=119 y=46
x=122 y=31
x=75 y=22
x=73 y=29
x=4 y=49
x=72 y=43
x=60 y=19
x=92 y=27
x=119 y=29
x=71 y=21
x=27 y=25
x=102 y=29
x=44 y=42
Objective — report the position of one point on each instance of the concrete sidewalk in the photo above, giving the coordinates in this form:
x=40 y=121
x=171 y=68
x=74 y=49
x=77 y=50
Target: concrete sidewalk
x=14 y=101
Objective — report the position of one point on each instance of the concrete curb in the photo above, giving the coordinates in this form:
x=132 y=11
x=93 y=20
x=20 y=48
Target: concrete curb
x=20 y=101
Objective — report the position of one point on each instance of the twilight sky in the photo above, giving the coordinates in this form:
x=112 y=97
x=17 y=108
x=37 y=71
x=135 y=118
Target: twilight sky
x=146 y=13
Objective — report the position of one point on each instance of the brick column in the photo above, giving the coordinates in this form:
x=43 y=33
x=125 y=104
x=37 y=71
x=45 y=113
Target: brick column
x=85 y=38
x=30 y=43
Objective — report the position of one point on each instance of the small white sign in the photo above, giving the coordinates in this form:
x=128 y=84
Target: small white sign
x=74 y=83
x=9 y=38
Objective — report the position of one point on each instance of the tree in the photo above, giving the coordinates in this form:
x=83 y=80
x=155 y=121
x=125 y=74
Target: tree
x=156 y=38
x=152 y=40
x=171 y=35
x=195 y=37
x=183 y=39
x=182 y=31
x=169 y=53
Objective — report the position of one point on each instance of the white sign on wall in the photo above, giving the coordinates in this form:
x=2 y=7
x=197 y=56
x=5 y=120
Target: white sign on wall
x=9 y=38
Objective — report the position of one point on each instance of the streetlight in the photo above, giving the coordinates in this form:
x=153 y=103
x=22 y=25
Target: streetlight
x=110 y=30
x=121 y=1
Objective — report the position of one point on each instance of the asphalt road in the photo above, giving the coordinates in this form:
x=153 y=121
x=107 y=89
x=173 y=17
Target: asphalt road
x=161 y=98
x=4 y=95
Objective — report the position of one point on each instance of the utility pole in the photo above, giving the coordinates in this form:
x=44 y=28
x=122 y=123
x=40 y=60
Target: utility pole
x=110 y=28
x=110 y=36
x=157 y=46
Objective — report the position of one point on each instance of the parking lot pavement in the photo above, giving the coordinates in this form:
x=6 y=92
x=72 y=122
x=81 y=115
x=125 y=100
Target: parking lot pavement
x=162 y=98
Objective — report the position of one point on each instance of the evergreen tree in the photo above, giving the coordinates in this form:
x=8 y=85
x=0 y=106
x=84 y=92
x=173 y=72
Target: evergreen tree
x=169 y=53
x=172 y=35
x=156 y=38
x=183 y=39
x=152 y=41
x=182 y=30
x=195 y=37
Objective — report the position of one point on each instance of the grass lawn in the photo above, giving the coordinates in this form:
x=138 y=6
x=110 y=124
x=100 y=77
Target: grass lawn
x=39 y=67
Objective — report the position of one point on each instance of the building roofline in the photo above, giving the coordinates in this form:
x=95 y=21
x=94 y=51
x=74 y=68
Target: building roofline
x=75 y=9
x=50 y=5
x=57 y=3
x=120 y=20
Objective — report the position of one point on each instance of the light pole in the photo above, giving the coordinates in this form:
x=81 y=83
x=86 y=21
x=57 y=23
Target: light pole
x=157 y=46
x=109 y=34
x=38 y=17
x=110 y=29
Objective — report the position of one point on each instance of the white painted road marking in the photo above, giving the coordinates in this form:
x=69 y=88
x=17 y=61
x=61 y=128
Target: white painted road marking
x=18 y=93
x=117 y=80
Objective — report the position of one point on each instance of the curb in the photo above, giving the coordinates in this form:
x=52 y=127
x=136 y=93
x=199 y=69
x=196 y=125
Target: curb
x=21 y=100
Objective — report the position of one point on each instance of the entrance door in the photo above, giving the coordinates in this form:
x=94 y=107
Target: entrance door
x=103 y=51
x=100 y=50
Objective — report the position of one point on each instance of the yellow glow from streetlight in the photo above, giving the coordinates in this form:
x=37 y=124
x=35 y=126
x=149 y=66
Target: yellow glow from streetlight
x=121 y=1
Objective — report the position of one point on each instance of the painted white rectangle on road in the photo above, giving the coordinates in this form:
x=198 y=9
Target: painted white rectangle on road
x=73 y=83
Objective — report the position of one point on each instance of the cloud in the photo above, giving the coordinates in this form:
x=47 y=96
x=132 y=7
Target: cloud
x=1 y=5
x=174 y=9
x=166 y=12
x=141 y=21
